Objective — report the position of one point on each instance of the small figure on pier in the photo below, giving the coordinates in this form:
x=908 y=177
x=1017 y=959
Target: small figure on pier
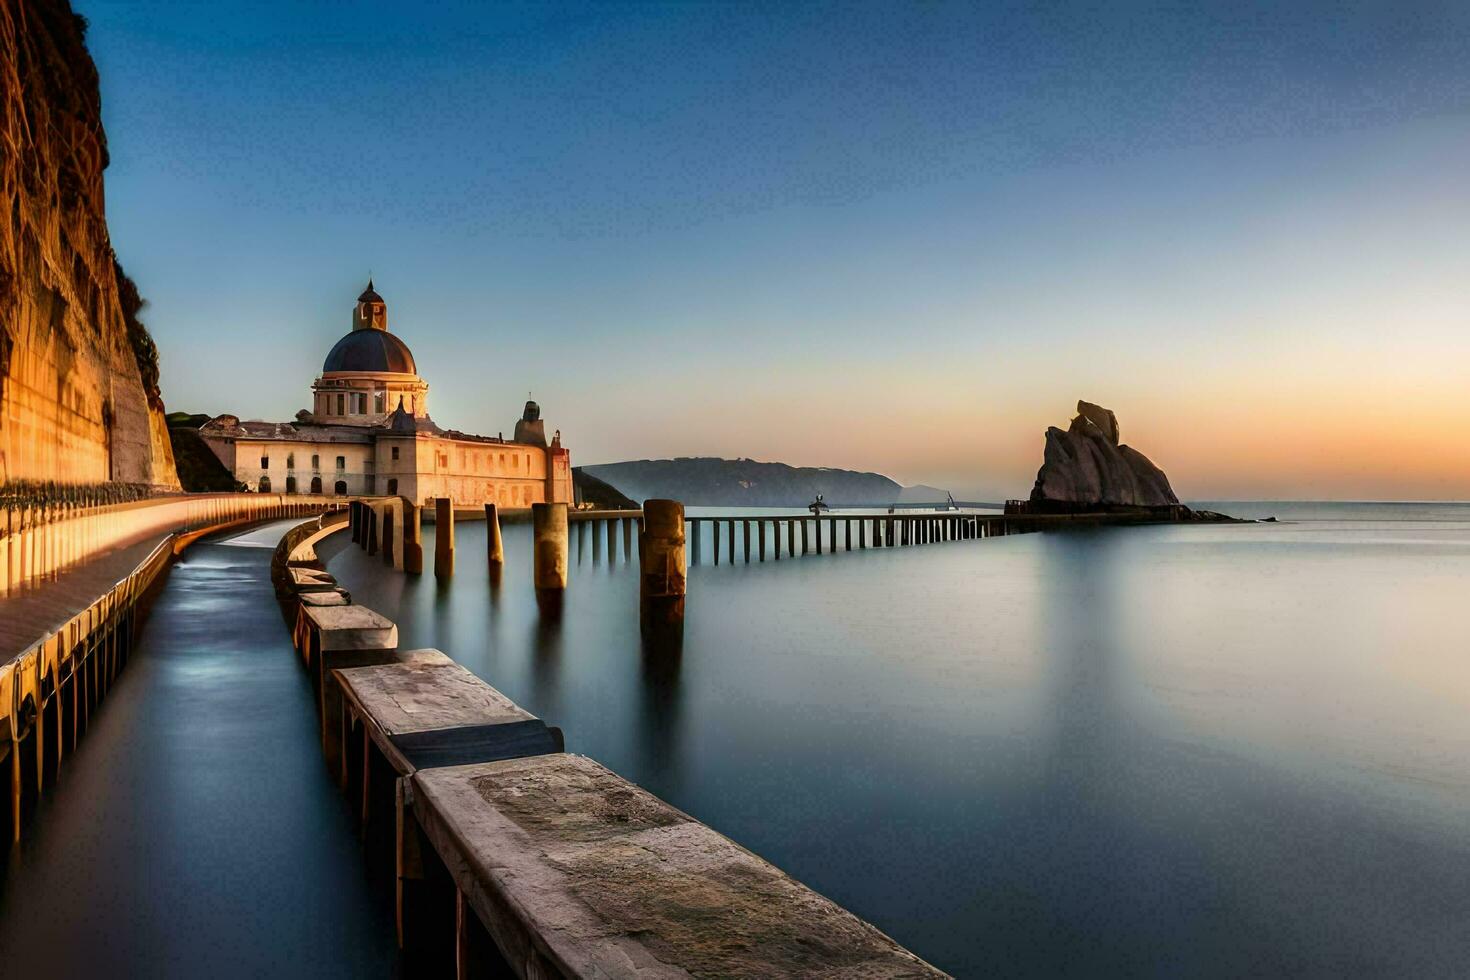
x=817 y=506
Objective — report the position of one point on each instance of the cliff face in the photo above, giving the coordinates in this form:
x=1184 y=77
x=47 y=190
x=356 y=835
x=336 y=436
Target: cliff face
x=73 y=403
x=1086 y=467
x=711 y=482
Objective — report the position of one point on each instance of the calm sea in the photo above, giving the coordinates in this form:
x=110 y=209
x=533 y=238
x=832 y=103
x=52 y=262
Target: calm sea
x=1158 y=751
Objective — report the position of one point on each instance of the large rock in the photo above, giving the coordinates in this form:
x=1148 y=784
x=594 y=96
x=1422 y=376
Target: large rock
x=1085 y=468
x=75 y=406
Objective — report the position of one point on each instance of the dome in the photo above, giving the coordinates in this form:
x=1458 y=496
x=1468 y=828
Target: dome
x=370 y=350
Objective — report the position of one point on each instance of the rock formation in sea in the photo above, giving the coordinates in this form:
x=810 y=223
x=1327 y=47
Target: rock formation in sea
x=1087 y=468
x=79 y=398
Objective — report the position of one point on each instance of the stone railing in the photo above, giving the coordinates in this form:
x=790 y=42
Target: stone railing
x=42 y=535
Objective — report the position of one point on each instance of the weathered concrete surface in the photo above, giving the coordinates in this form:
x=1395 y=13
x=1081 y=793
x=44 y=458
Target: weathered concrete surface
x=351 y=628
x=73 y=406
x=1087 y=466
x=577 y=872
x=426 y=695
x=311 y=580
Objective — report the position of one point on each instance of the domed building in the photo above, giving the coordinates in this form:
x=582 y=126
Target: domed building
x=368 y=372
x=368 y=432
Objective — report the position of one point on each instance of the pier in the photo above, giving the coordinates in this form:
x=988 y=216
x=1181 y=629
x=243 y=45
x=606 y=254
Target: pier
x=509 y=855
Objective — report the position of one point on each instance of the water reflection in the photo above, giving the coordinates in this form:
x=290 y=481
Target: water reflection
x=1189 y=750
x=661 y=704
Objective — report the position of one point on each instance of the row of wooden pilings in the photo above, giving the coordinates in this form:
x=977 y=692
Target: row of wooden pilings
x=392 y=527
x=49 y=691
x=830 y=534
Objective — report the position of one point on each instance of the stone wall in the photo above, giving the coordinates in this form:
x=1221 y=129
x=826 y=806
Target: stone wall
x=72 y=403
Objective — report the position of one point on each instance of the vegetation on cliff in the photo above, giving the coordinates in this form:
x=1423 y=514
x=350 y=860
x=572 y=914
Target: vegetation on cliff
x=200 y=470
x=145 y=351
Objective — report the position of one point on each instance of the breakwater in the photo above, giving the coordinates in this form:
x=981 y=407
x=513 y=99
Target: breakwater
x=506 y=849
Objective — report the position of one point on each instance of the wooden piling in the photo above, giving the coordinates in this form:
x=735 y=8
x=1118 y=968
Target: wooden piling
x=549 y=523
x=494 y=546
x=662 y=574
x=694 y=535
x=443 y=537
x=413 y=542
x=745 y=531
x=732 y=541
x=791 y=538
x=715 y=534
x=760 y=529
x=612 y=540
x=805 y=545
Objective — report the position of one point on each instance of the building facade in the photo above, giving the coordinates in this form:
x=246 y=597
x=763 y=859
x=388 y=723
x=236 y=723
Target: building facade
x=368 y=432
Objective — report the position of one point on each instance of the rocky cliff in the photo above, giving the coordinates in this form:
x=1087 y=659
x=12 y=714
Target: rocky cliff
x=713 y=482
x=1086 y=468
x=74 y=403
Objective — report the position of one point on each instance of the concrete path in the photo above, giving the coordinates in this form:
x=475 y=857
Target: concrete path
x=33 y=611
x=196 y=832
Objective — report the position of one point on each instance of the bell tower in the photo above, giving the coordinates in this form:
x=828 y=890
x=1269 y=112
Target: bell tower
x=370 y=313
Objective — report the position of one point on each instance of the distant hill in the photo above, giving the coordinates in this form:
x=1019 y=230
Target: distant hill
x=704 y=481
x=921 y=494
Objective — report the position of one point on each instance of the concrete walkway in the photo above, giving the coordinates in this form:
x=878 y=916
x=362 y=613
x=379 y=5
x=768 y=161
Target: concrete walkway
x=33 y=611
x=195 y=833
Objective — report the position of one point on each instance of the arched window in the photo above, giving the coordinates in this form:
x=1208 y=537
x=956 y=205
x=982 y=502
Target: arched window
x=316 y=484
x=341 y=488
x=392 y=488
x=265 y=485
x=290 y=484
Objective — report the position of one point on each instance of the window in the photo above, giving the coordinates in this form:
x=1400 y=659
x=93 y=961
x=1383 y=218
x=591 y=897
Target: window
x=341 y=462
x=290 y=484
x=265 y=462
x=290 y=461
x=378 y=402
x=341 y=408
x=341 y=488
x=316 y=463
x=264 y=486
x=316 y=484
x=392 y=487
x=395 y=452
x=361 y=403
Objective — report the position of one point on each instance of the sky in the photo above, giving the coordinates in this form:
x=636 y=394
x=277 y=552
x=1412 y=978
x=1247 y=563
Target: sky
x=893 y=237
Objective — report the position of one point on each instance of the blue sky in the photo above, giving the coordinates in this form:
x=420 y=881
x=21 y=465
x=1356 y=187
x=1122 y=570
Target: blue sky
x=902 y=237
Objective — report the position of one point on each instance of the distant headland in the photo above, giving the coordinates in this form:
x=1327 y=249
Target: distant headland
x=708 y=481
